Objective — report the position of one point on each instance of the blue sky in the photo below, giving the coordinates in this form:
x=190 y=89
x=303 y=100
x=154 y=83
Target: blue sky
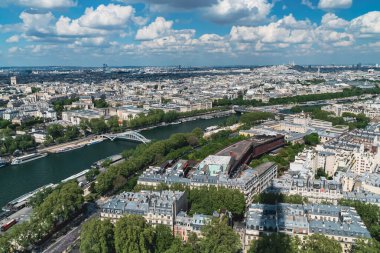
x=188 y=32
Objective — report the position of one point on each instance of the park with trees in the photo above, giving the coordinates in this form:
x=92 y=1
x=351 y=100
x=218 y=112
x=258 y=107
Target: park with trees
x=254 y=118
x=9 y=144
x=56 y=133
x=348 y=92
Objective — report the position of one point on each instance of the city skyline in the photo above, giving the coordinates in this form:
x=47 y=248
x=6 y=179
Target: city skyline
x=190 y=33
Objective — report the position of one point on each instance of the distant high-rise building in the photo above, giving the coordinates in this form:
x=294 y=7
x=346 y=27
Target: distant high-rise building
x=13 y=80
x=105 y=68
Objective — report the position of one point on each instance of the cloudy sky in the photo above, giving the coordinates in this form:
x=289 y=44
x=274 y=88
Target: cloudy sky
x=188 y=32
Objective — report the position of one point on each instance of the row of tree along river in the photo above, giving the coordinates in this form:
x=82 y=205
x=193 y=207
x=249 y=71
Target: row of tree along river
x=16 y=180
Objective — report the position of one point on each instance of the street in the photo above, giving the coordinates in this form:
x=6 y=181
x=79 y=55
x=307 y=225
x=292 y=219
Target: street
x=63 y=242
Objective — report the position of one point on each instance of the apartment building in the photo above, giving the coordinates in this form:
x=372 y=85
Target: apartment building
x=315 y=190
x=185 y=225
x=340 y=223
x=127 y=112
x=75 y=117
x=364 y=162
x=250 y=181
x=156 y=207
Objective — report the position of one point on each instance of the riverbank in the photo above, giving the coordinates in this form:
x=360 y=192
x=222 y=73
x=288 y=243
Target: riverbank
x=69 y=146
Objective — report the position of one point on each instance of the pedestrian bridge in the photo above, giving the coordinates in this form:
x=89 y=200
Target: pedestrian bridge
x=129 y=135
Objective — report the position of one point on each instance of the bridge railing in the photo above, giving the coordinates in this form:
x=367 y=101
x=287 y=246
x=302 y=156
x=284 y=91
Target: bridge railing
x=130 y=135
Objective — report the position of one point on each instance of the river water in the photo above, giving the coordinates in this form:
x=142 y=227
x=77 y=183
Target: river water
x=16 y=180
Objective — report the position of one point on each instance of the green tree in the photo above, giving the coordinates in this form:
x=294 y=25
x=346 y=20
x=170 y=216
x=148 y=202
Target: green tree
x=350 y=92
x=318 y=243
x=164 y=238
x=62 y=204
x=97 y=237
x=366 y=246
x=5 y=245
x=40 y=196
x=320 y=173
x=179 y=247
x=219 y=238
x=311 y=139
x=100 y=103
x=4 y=123
x=252 y=118
x=276 y=242
x=35 y=89
x=72 y=132
x=233 y=119
x=98 y=126
x=208 y=199
x=83 y=125
x=198 y=132
x=113 y=124
x=91 y=174
x=132 y=234
x=25 y=141
x=55 y=131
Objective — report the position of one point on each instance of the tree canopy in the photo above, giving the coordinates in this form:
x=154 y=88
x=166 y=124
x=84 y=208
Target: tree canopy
x=350 y=92
x=253 y=118
x=131 y=234
x=219 y=238
x=311 y=139
x=97 y=237
x=61 y=205
x=276 y=242
x=282 y=158
x=318 y=243
x=366 y=246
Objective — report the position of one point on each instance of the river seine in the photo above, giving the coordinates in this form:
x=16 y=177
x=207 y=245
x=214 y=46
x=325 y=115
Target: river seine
x=16 y=180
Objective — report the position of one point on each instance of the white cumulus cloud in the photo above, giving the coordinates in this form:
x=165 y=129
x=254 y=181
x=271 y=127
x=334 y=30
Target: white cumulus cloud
x=107 y=16
x=330 y=20
x=156 y=29
x=13 y=39
x=366 y=25
x=68 y=27
x=285 y=30
x=334 y=4
x=37 y=23
x=239 y=11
